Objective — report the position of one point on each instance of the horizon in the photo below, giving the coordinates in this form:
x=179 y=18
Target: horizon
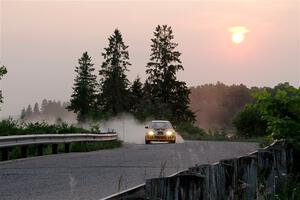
x=41 y=60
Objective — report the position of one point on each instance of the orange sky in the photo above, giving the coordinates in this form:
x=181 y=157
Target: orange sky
x=42 y=40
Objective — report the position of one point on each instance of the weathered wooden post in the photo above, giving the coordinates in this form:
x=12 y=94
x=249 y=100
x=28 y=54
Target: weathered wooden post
x=54 y=148
x=24 y=151
x=40 y=149
x=67 y=147
x=4 y=153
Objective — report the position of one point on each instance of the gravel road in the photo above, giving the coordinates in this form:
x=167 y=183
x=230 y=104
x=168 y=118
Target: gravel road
x=94 y=175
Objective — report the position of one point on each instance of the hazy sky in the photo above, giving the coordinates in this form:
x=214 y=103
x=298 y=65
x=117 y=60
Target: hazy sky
x=41 y=42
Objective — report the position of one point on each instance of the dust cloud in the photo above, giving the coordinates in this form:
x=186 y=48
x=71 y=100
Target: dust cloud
x=129 y=129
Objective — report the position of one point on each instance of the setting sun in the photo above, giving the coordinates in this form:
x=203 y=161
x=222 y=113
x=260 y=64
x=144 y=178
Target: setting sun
x=238 y=34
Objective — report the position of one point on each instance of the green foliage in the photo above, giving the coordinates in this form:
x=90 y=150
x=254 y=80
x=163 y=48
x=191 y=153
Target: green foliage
x=249 y=123
x=275 y=111
x=114 y=97
x=291 y=191
x=83 y=98
x=95 y=128
x=189 y=131
x=169 y=97
x=280 y=107
x=12 y=127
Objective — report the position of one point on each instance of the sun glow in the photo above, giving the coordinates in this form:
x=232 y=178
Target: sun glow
x=238 y=34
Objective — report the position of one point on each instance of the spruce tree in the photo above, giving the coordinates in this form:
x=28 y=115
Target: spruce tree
x=23 y=114
x=28 y=111
x=84 y=89
x=36 y=109
x=136 y=96
x=114 y=96
x=44 y=106
x=3 y=71
x=169 y=96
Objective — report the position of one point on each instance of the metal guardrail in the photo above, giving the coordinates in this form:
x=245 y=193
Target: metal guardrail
x=21 y=140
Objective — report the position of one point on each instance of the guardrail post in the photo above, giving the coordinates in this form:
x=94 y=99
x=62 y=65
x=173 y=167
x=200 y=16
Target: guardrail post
x=4 y=153
x=40 y=149
x=23 y=151
x=54 y=148
x=67 y=147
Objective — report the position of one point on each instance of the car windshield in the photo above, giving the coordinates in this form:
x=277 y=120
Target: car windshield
x=160 y=125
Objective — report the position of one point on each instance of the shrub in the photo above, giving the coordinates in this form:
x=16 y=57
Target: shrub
x=250 y=123
x=189 y=131
x=12 y=127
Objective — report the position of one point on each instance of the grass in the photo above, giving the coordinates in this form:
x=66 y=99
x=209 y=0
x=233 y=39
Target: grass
x=291 y=191
x=15 y=152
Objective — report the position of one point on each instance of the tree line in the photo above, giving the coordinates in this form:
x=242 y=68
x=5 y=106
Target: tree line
x=250 y=112
x=216 y=105
x=49 y=111
x=161 y=96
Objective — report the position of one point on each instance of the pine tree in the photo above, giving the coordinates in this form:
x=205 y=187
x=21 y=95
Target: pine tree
x=136 y=97
x=3 y=71
x=23 y=114
x=169 y=96
x=28 y=111
x=36 y=109
x=84 y=90
x=44 y=106
x=114 y=97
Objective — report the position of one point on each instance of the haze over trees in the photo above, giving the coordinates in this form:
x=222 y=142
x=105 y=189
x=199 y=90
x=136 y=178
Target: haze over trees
x=50 y=111
x=215 y=105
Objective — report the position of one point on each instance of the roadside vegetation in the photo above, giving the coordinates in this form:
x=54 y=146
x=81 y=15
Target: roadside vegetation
x=275 y=114
x=13 y=127
x=15 y=152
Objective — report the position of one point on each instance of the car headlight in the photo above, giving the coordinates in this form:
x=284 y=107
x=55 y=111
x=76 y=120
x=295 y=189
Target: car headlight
x=169 y=133
x=150 y=133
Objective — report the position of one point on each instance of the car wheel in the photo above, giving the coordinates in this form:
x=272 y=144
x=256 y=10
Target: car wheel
x=147 y=142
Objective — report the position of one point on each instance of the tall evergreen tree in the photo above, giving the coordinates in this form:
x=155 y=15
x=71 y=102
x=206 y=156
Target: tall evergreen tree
x=136 y=97
x=3 y=71
x=84 y=90
x=36 y=109
x=29 y=111
x=169 y=96
x=44 y=106
x=23 y=114
x=114 y=97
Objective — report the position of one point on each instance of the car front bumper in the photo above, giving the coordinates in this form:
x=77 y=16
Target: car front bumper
x=160 y=138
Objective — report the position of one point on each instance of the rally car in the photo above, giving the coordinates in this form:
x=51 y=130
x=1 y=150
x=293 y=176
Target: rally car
x=160 y=130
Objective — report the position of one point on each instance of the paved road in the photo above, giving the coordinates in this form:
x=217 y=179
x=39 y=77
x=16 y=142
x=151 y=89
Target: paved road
x=93 y=175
